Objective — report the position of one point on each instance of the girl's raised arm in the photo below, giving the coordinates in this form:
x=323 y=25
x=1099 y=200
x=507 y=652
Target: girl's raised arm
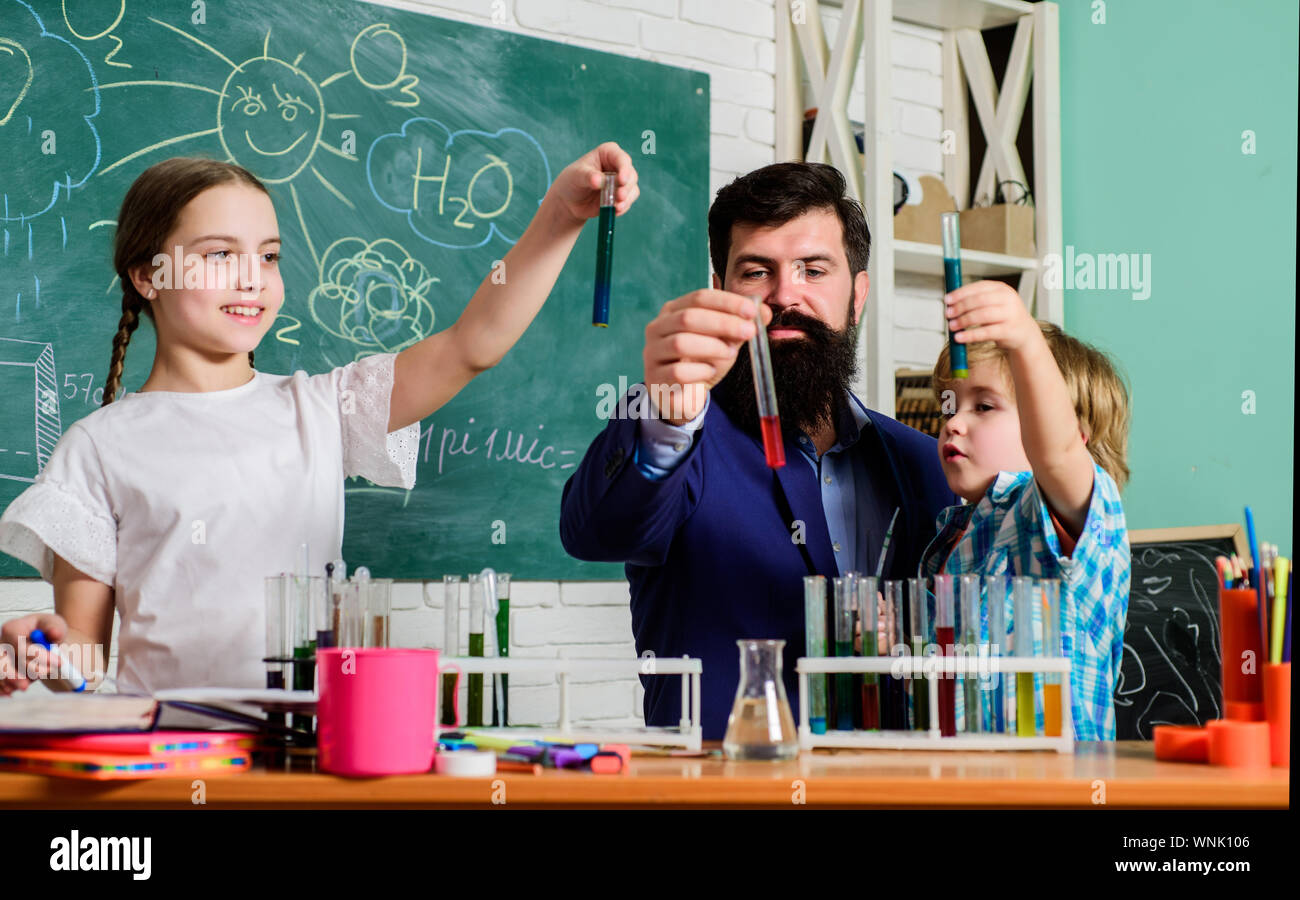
x=430 y=373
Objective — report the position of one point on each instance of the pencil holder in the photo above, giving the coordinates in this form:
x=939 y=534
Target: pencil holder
x=376 y=710
x=1243 y=657
x=1182 y=743
x=1238 y=745
x=1277 y=707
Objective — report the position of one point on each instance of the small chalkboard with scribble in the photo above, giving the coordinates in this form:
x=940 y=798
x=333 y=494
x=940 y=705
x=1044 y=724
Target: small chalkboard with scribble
x=1170 y=672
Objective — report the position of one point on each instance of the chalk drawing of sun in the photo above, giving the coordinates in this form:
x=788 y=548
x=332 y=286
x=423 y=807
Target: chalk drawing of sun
x=270 y=113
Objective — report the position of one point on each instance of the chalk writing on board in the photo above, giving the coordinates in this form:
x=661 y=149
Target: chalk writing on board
x=79 y=12
x=27 y=370
x=370 y=43
x=43 y=118
x=459 y=188
x=1169 y=670
x=498 y=445
x=373 y=295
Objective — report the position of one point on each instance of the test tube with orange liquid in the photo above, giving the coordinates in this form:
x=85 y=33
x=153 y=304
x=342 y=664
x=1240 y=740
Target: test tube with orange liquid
x=1051 y=589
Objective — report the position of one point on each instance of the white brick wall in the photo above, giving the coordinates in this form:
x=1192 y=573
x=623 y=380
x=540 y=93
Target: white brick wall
x=732 y=41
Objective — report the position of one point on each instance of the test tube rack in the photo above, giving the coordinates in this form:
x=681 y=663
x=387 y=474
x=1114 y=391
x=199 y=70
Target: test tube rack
x=932 y=666
x=688 y=734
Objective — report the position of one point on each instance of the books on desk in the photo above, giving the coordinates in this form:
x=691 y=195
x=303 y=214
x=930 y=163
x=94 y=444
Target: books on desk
x=51 y=713
x=110 y=736
x=100 y=765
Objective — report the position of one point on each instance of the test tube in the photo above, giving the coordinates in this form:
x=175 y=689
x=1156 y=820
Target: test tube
x=1051 y=588
x=845 y=601
x=604 y=250
x=338 y=576
x=868 y=617
x=503 y=649
x=279 y=643
x=814 y=624
x=968 y=588
x=474 y=715
x=944 y=636
x=451 y=585
x=769 y=418
x=996 y=589
x=895 y=688
x=951 y=281
x=1022 y=591
x=919 y=630
x=351 y=615
x=279 y=630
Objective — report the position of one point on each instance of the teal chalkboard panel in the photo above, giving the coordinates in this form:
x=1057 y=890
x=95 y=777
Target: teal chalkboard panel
x=405 y=154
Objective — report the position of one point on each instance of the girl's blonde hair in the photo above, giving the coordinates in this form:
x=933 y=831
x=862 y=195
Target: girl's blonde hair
x=1099 y=394
x=149 y=213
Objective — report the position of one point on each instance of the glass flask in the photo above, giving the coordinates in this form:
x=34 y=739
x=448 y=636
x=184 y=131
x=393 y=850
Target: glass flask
x=761 y=725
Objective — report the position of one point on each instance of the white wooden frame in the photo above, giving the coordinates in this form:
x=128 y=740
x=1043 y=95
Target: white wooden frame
x=932 y=667
x=999 y=111
x=689 y=733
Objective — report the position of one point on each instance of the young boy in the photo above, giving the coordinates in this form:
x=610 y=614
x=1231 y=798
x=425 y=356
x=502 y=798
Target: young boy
x=1034 y=441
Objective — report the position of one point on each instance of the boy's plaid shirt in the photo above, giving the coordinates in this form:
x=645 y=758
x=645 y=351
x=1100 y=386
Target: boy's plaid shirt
x=1009 y=532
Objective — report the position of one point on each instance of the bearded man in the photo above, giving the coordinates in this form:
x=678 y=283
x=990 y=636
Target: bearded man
x=716 y=544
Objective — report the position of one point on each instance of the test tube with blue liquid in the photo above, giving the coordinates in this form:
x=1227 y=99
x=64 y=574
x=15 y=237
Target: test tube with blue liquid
x=951 y=281
x=814 y=609
x=995 y=587
x=604 y=251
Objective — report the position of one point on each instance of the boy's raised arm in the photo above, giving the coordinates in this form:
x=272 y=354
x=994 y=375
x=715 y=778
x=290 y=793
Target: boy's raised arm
x=1049 y=427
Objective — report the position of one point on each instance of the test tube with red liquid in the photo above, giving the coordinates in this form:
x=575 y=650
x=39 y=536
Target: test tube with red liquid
x=765 y=390
x=944 y=636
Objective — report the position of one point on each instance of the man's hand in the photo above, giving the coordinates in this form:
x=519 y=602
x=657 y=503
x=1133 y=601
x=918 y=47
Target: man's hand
x=691 y=345
x=991 y=311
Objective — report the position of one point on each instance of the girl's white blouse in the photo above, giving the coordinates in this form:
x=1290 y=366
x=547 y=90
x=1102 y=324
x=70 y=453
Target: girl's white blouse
x=184 y=503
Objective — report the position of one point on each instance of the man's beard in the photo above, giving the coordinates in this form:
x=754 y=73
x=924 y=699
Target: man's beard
x=812 y=374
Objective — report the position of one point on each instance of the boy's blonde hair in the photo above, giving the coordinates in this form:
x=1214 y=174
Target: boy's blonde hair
x=1098 y=392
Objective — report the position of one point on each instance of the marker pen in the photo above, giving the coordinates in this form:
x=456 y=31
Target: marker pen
x=71 y=679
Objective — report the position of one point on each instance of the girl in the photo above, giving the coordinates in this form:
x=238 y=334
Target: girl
x=171 y=504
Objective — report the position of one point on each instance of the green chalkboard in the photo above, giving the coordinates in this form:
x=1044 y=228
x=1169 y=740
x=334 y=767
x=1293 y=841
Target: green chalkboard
x=93 y=92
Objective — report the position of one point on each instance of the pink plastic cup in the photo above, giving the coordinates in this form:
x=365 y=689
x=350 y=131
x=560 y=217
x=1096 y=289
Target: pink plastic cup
x=377 y=710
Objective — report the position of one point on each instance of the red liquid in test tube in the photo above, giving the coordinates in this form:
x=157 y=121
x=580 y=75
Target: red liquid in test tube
x=773 y=446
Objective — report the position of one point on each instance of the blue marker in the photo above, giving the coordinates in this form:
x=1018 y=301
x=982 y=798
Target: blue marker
x=1257 y=579
x=952 y=281
x=604 y=252
x=71 y=680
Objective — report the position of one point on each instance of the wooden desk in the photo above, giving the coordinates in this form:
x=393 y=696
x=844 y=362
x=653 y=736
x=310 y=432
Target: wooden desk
x=1126 y=771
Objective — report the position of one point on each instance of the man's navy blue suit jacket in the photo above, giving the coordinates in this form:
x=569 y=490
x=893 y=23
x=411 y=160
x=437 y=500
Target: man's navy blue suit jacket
x=709 y=556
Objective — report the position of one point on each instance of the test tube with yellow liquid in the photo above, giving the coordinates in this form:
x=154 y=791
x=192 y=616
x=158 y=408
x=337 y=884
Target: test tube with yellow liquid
x=1022 y=637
